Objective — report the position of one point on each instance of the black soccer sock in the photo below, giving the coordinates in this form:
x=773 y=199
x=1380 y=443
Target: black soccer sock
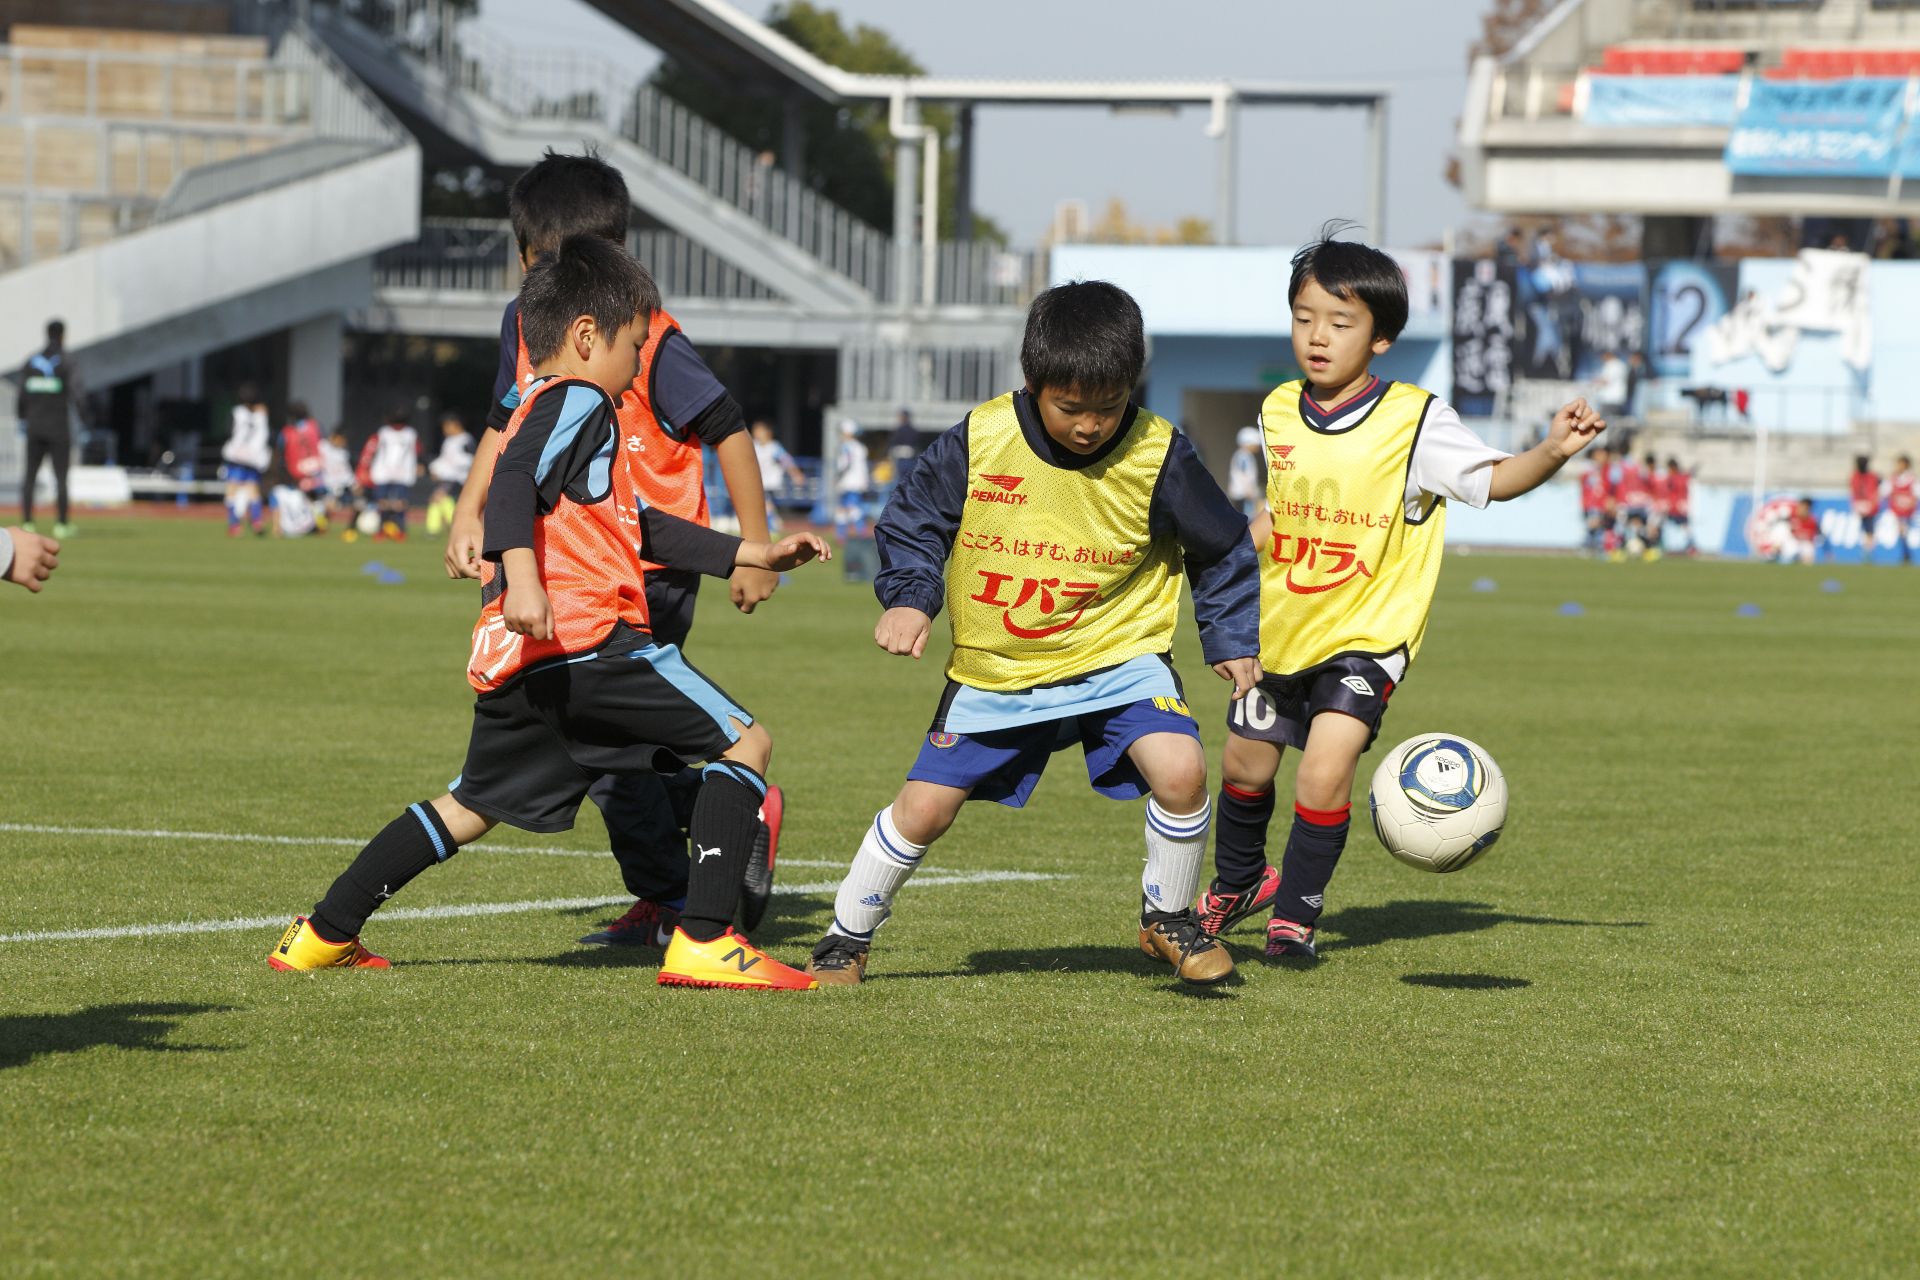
x=1313 y=850
x=1240 y=837
x=411 y=843
x=726 y=817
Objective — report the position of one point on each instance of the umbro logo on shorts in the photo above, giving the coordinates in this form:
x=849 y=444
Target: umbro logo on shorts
x=1358 y=685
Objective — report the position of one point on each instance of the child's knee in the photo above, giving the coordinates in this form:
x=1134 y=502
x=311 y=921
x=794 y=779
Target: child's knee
x=753 y=746
x=1249 y=764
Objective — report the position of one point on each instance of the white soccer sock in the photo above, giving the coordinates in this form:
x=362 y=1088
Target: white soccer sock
x=1176 y=846
x=884 y=862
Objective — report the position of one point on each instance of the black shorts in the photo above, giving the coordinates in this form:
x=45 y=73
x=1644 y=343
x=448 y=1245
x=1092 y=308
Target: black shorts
x=542 y=740
x=671 y=595
x=1280 y=709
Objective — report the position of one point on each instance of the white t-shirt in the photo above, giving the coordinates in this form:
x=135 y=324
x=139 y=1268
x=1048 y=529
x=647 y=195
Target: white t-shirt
x=336 y=467
x=396 y=456
x=774 y=461
x=1245 y=475
x=1450 y=461
x=248 y=444
x=850 y=468
x=455 y=460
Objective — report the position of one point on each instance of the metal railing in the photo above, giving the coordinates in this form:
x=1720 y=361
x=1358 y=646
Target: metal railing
x=975 y=272
x=751 y=183
x=479 y=255
x=900 y=375
x=455 y=255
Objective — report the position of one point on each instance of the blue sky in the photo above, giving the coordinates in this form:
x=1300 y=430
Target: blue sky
x=1298 y=167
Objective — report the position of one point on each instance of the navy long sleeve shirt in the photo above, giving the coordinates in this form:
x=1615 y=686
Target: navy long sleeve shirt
x=915 y=533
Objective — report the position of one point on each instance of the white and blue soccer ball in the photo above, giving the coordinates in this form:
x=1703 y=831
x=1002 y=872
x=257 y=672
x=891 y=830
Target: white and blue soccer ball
x=1438 y=802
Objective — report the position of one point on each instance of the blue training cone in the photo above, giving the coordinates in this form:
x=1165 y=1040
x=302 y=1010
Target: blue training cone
x=1748 y=610
x=1485 y=584
x=1833 y=586
x=1573 y=609
x=373 y=567
x=391 y=577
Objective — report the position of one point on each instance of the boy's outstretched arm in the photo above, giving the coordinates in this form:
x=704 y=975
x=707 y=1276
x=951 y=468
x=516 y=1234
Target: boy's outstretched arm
x=1220 y=561
x=740 y=470
x=914 y=537
x=468 y=527
x=1573 y=429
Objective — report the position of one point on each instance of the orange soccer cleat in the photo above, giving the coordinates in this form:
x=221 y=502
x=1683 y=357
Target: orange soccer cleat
x=728 y=961
x=302 y=949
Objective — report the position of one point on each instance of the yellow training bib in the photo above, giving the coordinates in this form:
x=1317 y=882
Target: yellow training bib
x=1053 y=573
x=1345 y=571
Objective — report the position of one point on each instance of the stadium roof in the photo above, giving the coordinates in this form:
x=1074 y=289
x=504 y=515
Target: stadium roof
x=716 y=39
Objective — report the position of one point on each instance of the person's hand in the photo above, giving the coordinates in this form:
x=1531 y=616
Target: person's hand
x=527 y=611
x=34 y=557
x=749 y=586
x=1244 y=672
x=793 y=551
x=1574 y=428
x=464 y=537
x=903 y=631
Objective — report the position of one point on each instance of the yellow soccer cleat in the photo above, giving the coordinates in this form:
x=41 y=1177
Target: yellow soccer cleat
x=728 y=961
x=301 y=949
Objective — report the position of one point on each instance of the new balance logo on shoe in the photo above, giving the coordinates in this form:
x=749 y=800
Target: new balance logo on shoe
x=740 y=959
x=1358 y=685
x=706 y=853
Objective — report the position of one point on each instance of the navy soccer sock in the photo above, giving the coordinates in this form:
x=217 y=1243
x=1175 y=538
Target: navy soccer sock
x=726 y=817
x=408 y=845
x=1313 y=850
x=1240 y=837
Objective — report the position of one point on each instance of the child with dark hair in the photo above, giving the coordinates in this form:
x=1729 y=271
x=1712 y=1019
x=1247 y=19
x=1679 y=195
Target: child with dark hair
x=1863 y=488
x=1054 y=525
x=1359 y=476
x=674 y=409
x=1677 y=506
x=1902 y=499
x=572 y=686
x=449 y=469
x=389 y=464
x=245 y=456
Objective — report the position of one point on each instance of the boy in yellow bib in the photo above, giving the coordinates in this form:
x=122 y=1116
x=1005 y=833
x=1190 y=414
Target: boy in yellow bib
x=1054 y=524
x=1359 y=472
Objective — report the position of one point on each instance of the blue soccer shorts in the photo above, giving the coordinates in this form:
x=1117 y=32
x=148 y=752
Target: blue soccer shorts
x=1005 y=764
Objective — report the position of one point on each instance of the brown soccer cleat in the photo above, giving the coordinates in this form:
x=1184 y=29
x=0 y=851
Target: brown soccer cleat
x=839 y=961
x=1179 y=940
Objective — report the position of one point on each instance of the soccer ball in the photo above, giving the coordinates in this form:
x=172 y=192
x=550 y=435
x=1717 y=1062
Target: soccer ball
x=1438 y=802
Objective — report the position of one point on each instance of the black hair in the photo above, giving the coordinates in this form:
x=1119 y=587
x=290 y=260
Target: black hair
x=1861 y=463
x=565 y=196
x=56 y=331
x=1347 y=269
x=400 y=414
x=247 y=394
x=1086 y=334
x=585 y=276
x=297 y=410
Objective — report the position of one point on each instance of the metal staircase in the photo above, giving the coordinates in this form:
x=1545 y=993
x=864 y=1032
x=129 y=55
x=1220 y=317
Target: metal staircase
x=749 y=256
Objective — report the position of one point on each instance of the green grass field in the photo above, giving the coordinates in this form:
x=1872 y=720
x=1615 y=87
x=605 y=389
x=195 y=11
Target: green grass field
x=1667 y=1028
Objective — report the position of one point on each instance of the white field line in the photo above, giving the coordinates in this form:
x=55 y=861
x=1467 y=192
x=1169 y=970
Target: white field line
x=928 y=879
x=341 y=841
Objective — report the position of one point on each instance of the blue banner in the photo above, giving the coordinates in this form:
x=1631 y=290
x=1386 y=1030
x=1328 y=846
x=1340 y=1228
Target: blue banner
x=1661 y=101
x=1840 y=542
x=1844 y=128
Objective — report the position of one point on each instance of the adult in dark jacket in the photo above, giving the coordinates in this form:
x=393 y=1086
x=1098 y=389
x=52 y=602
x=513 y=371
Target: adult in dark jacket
x=48 y=386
